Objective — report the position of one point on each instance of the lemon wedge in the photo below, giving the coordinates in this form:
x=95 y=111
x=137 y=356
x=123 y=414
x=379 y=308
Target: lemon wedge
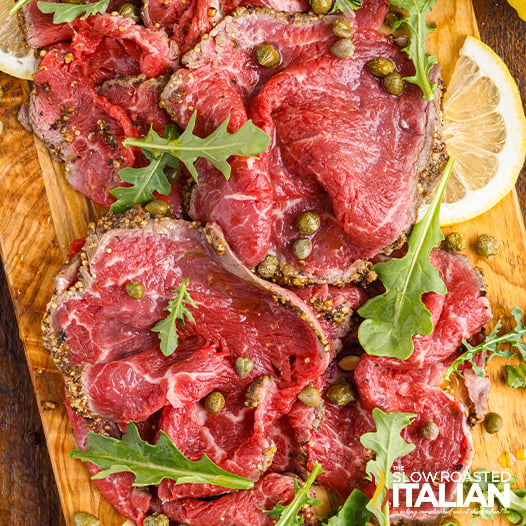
x=16 y=57
x=485 y=129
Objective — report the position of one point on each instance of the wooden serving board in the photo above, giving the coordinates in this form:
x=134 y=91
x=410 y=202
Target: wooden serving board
x=40 y=215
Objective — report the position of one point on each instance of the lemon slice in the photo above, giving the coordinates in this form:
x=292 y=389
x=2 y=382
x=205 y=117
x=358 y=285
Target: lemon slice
x=16 y=57
x=485 y=129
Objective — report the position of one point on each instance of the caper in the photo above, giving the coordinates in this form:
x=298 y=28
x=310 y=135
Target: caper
x=267 y=268
x=392 y=17
x=344 y=48
x=342 y=28
x=156 y=519
x=341 y=392
x=454 y=242
x=244 y=365
x=393 y=83
x=493 y=423
x=83 y=518
x=321 y=7
x=430 y=431
x=487 y=246
x=380 y=66
x=302 y=248
x=349 y=362
x=214 y=402
x=267 y=55
x=129 y=10
x=157 y=206
x=310 y=396
x=135 y=290
x=308 y=223
x=173 y=174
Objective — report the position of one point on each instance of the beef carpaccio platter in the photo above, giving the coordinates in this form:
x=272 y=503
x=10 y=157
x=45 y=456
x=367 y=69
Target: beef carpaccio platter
x=262 y=368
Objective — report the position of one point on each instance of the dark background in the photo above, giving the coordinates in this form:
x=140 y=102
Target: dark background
x=28 y=492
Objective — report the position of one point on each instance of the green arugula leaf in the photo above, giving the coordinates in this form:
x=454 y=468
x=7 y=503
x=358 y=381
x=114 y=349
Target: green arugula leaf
x=416 y=49
x=490 y=345
x=249 y=140
x=388 y=445
x=354 y=511
x=147 y=180
x=178 y=311
x=64 y=12
x=288 y=515
x=394 y=317
x=516 y=376
x=515 y=513
x=17 y=6
x=152 y=463
x=346 y=6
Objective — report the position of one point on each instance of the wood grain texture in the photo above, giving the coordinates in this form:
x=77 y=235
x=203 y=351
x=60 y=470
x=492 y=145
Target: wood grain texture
x=36 y=228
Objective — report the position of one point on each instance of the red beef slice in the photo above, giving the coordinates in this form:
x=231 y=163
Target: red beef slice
x=342 y=145
x=80 y=125
x=100 y=336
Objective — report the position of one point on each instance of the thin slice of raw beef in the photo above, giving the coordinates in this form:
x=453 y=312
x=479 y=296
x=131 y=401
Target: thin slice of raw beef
x=336 y=134
x=102 y=337
x=240 y=508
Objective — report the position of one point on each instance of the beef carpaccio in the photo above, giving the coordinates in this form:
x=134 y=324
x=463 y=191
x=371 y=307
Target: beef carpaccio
x=115 y=372
x=344 y=150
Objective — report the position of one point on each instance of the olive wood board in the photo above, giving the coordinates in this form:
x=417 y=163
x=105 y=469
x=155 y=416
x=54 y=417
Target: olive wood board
x=40 y=215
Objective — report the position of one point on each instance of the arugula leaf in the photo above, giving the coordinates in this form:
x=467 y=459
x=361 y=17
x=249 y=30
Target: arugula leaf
x=388 y=445
x=249 y=140
x=516 y=376
x=416 y=49
x=146 y=180
x=152 y=463
x=288 y=515
x=17 y=6
x=353 y=512
x=394 y=317
x=490 y=344
x=64 y=12
x=346 y=6
x=178 y=311
x=515 y=513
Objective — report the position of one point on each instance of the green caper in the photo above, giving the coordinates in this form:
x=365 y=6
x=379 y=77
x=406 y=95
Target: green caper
x=302 y=248
x=393 y=83
x=454 y=242
x=135 y=290
x=310 y=396
x=267 y=268
x=267 y=55
x=392 y=17
x=157 y=206
x=342 y=29
x=380 y=66
x=487 y=246
x=83 y=518
x=129 y=10
x=341 y=392
x=214 y=402
x=156 y=519
x=430 y=431
x=173 y=174
x=344 y=48
x=321 y=7
x=244 y=365
x=493 y=423
x=308 y=223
